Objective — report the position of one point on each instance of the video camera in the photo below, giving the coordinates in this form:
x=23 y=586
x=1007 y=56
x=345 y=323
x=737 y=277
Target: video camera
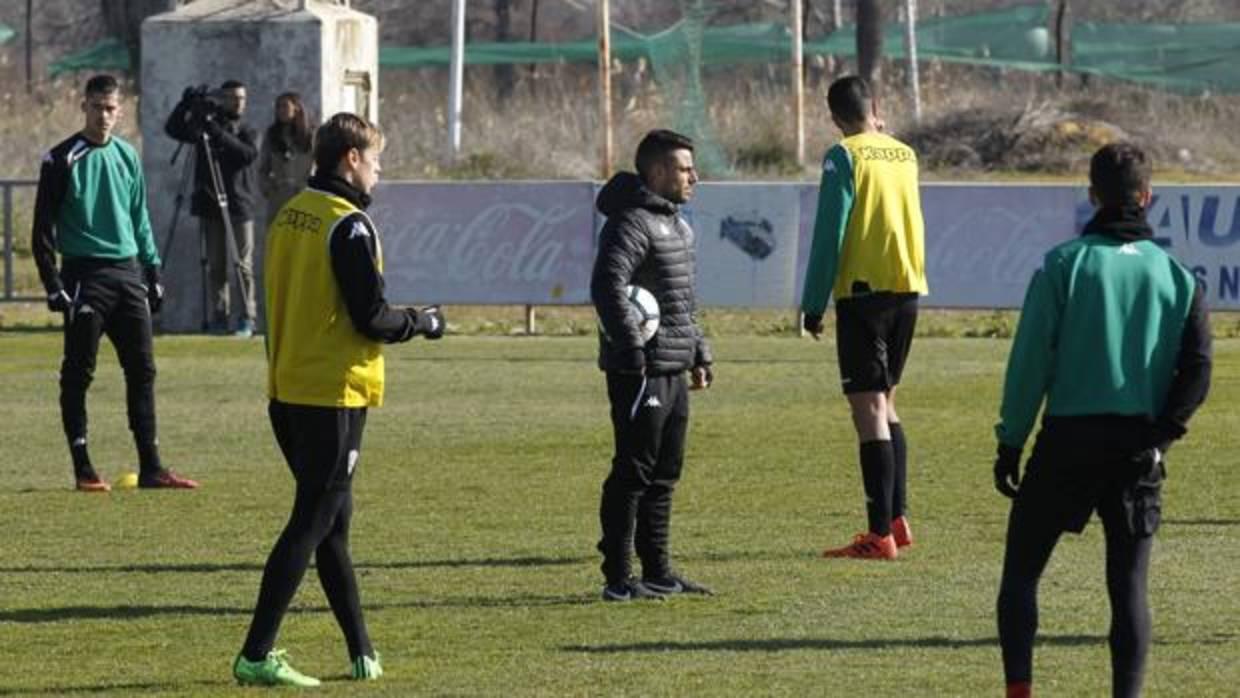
x=201 y=106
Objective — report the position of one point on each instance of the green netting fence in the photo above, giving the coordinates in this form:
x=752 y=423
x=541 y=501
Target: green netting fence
x=6 y=33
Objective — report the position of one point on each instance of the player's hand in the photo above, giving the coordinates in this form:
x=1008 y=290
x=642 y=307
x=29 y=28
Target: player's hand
x=1007 y=471
x=154 y=289
x=59 y=302
x=430 y=322
x=701 y=377
x=813 y=324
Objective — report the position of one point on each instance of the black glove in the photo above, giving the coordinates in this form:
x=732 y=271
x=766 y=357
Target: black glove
x=154 y=289
x=631 y=361
x=429 y=322
x=812 y=324
x=1007 y=470
x=59 y=301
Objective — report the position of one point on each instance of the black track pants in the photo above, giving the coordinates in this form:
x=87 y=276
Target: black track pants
x=650 y=417
x=322 y=447
x=1051 y=502
x=108 y=298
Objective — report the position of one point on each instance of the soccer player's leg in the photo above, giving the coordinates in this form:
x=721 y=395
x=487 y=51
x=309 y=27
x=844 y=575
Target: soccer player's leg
x=654 y=511
x=1130 y=518
x=83 y=327
x=315 y=440
x=1032 y=533
x=637 y=438
x=899 y=343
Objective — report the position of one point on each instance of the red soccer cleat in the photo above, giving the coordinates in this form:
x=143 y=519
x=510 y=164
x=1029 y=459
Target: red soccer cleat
x=867 y=546
x=901 y=532
x=92 y=483
x=165 y=479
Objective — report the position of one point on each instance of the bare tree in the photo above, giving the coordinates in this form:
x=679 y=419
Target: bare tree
x=123 y=19
x=869 y=38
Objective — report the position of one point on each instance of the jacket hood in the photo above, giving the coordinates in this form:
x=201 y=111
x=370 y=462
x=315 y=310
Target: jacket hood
x=334 y=184
x=627 y=191
x=1125 y=223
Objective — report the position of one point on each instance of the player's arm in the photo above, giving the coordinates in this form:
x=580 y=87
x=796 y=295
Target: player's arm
x=622 y=247
x=53 y=185
x=1192 y=375
x=352 y=249
x=144 y=236
x=1031 y=362
x=835 y=202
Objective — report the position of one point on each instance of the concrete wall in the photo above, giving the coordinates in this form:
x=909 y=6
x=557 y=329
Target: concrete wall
x=272 y=47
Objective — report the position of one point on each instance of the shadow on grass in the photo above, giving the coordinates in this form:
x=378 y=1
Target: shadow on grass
x=213 y=567
x=1201 y=522
x=126 y=612
x=786 y=644
x=125 y=688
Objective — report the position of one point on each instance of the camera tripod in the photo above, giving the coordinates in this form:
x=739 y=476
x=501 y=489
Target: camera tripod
x=220 y=194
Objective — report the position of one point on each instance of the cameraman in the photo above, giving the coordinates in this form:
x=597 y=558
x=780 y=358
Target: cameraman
x=233 y=147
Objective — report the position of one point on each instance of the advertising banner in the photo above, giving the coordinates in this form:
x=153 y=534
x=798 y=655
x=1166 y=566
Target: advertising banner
x=746 y=244
x=503 y=243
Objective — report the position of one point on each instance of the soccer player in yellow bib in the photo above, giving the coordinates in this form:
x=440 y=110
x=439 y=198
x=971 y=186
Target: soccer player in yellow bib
x=327 y=320
x=869 y=251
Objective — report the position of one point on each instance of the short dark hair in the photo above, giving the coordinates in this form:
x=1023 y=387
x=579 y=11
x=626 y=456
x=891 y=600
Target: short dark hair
x=658 y=145
x=850 y=99
x=232 y=85
x=1119 y=173
x=341 y=133
x=102 y=84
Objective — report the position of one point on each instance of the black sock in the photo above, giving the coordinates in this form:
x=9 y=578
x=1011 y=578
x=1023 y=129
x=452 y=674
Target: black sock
x=899 y=489
x=877 y=473
x=148 y=457
x=81 y=459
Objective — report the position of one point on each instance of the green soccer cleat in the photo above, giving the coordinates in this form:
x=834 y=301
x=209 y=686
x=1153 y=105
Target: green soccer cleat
x=365 y=668
x=272 y=671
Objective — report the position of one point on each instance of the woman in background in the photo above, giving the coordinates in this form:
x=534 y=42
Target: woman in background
x=286 y=156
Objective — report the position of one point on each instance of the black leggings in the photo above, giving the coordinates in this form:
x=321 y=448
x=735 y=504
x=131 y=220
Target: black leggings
x=321 y=445
x=1030 y=540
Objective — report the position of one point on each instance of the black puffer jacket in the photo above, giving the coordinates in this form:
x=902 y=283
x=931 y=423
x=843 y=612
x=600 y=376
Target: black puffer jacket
x=646 y=243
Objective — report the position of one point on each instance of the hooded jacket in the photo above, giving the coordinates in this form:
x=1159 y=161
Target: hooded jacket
x=646 y=243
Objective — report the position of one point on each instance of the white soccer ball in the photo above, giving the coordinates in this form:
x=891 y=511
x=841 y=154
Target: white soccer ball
x=645 y=310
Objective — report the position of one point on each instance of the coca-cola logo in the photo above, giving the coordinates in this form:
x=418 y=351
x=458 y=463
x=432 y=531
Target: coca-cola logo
x=503 y=244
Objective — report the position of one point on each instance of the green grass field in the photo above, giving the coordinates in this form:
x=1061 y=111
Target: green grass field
x=476 y=518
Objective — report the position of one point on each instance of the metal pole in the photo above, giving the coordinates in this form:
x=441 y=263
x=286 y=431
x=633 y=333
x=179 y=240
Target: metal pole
x=29 y=46
x=798 y=82
x=8 y=241
x=604 y=78
x=456 y=79
x=910 y=43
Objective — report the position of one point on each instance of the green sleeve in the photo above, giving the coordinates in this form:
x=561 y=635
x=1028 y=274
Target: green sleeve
x=835 y=202
x=148 y=254
x=1031 y=363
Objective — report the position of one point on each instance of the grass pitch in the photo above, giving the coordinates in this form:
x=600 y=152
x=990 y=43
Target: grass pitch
x=477 y=498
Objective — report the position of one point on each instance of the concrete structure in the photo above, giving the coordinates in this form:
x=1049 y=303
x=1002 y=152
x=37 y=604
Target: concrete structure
x=325 y=50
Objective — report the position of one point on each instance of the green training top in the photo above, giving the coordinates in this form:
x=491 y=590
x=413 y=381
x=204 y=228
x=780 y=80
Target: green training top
x=1099 y=333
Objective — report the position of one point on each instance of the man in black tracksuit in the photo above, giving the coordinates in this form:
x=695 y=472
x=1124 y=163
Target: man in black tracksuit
x=1114 y=340
x=234 y=147
x=91 y=208
x=646 y=243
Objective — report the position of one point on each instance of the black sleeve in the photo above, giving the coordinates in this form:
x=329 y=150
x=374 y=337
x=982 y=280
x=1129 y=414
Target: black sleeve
x=353 y=263
x=53 y=183
x=622 y=247
x=236 y=150
x=1192 y=374
x=177 y=127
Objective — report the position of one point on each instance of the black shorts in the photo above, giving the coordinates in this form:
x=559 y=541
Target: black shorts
x=1071 y=474
x=873 y=334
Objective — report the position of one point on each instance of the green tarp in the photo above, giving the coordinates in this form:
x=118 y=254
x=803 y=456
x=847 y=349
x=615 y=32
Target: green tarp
x=1183 y=57
x=6 y=33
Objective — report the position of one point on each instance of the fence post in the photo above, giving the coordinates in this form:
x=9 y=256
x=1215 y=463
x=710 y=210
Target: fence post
x=531 y=320
x=8 y=241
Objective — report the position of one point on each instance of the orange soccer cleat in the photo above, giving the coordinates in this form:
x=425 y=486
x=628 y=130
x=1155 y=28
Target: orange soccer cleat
x=867 y=546
x=901 y=532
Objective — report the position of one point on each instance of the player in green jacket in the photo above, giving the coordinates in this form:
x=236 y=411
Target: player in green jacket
x=91 y=208
x=1113 y=346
